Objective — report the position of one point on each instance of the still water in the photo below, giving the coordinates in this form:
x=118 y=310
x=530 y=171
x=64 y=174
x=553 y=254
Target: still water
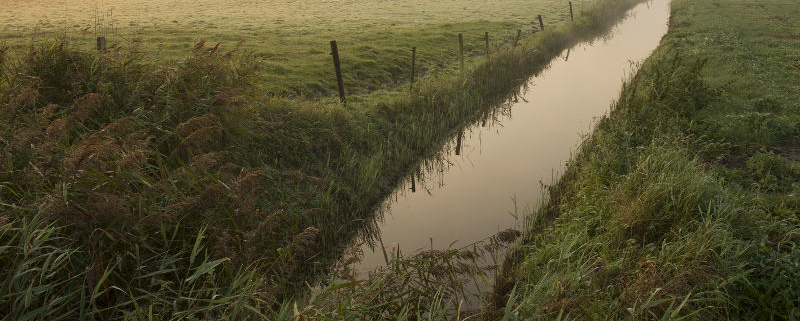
x=500 y=163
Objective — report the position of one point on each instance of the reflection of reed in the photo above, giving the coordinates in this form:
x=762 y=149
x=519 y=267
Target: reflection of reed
x=430 y=171
x=472 y=265
x=460 y=273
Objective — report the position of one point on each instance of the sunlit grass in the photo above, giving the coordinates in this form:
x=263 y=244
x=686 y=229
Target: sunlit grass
x=375 y=37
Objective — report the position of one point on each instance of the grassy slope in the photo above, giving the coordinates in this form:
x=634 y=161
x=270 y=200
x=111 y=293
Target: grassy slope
x=132 y=186
x=375 y=37
x=686 y=199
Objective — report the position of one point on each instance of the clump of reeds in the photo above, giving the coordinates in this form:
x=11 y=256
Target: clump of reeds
x=131 y=161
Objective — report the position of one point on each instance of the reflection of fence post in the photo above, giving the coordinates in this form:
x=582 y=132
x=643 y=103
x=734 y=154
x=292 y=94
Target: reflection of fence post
x=101 y=44
x=339 y=81
x=541 y=24
x=458 y=144
x=571 y=17
x=486 y=36
x=413 y=61
x=516 y=40
x=461 y=50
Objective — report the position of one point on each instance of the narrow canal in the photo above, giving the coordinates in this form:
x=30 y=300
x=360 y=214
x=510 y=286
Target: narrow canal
x=491 y=178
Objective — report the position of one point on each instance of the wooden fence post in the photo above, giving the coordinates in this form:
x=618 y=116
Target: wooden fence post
x=516 y=40
x=337 y=67
x=541 y=24
x=486 y=37
x=413 y=61
x=461 y=50
x=101 y=44
x=571 y=17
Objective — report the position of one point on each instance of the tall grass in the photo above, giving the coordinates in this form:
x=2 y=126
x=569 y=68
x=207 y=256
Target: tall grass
x=181 y=191
x=660 y=216
x=43 y=279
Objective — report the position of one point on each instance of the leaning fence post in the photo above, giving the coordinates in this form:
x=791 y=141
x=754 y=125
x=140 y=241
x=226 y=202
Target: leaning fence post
x=413 y=61
x=101 y=44
x=339 y=81
x=571 y=17
x=541 y=24
x=461 y=50
x=519 y=32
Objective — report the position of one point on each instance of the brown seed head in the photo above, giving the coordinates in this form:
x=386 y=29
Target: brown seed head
x=83 y=107
x=204 y=162
x=304 y=244
x=507 y=236
x=26 y=97
x=57 y=129
x=203 y=138
x=195 y=123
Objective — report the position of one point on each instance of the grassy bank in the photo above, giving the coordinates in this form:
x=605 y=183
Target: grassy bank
x=374 y=37
x=135 y=190
x=685 y=201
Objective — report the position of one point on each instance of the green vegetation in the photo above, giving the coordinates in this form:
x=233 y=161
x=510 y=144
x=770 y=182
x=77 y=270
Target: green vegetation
x=134 y=189
x=685 y=202
x=375 y=37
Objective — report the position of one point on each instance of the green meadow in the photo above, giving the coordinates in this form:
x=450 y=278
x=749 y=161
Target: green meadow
x=685 y=202
x=291 y=37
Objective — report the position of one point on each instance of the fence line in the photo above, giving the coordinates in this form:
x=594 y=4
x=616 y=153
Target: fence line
x=101 y=46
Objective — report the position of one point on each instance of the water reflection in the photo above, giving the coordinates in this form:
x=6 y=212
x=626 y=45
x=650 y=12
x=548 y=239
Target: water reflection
x=470 y=190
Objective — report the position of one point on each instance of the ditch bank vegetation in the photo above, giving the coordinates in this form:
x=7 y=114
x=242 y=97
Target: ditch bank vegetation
x=685 y=201
x=134 y=190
